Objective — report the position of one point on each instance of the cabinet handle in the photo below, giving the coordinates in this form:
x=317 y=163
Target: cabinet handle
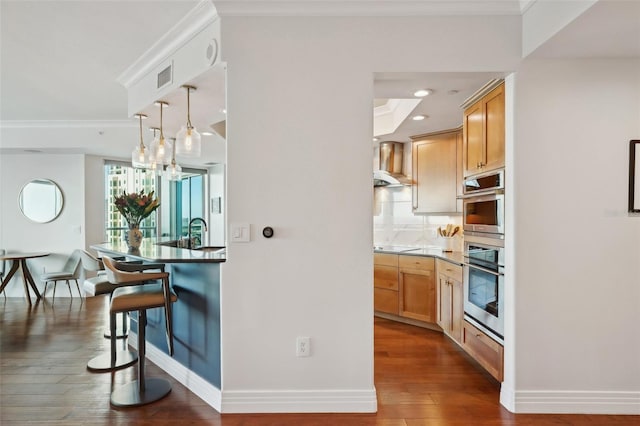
x=479 y=336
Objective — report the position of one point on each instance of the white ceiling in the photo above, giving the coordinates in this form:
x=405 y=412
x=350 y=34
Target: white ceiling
x=60 y=59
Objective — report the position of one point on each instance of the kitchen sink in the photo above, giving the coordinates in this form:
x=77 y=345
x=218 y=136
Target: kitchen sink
x=209 y=248
x=176 y=243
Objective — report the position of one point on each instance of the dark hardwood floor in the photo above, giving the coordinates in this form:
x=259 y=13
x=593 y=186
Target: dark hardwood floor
x=422 y=378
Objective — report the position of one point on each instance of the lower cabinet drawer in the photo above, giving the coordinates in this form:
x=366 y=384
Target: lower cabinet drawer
x=385 y=300
x=385 y=277
x=485 y=350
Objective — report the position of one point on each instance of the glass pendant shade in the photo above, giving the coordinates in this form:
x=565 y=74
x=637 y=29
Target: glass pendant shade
x=140 y=155
x=139 y=158
x=188 y=140
x=161 y=148
x=173 y=170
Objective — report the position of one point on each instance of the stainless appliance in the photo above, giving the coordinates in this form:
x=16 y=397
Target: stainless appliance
x=484 y=213
x=484 y=283
x=391 y=160
x=482 y=183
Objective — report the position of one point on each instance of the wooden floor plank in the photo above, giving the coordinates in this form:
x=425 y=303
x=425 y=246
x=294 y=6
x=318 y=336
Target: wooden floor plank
x=421 y=377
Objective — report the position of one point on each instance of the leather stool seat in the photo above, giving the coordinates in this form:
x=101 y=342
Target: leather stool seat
x=133 y=298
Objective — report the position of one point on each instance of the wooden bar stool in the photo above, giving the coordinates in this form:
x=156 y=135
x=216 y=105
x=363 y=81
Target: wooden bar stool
x=140 y=298
x=119 y=274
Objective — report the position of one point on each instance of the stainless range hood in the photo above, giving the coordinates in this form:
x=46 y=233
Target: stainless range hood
x=390 y=172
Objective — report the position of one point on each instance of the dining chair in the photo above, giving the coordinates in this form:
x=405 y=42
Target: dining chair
x=70 y=272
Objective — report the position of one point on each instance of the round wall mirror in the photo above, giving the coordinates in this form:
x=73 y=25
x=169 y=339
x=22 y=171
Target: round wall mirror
x=41 y=200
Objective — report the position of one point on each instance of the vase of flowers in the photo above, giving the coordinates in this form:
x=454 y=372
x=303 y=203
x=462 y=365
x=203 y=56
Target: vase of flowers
x=135 y=207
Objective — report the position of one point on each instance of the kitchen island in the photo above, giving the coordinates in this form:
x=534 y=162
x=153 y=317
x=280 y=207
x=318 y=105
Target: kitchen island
x=195 y=277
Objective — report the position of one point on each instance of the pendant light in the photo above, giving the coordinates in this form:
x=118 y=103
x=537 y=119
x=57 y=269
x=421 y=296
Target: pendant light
x=140 y=155
x=161 y=148
x=153 y=164
x=188 y=139
x=173 y=170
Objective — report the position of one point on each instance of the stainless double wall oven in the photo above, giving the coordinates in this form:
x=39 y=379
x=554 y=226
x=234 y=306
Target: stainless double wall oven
x=483 y=223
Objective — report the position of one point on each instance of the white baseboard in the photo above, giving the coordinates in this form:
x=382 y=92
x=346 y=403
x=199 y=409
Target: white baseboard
x=575 y=402
x=275 y=401
x=330 y=401
x=196 y=384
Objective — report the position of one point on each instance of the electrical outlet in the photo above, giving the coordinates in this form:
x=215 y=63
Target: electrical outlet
x=303 y=346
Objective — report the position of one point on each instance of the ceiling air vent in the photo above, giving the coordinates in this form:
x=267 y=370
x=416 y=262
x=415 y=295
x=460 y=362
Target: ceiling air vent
x=165 y=76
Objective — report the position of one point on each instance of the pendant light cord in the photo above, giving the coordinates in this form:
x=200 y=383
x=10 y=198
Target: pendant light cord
x=141 y=140
x=189 y=126
x=161 y=132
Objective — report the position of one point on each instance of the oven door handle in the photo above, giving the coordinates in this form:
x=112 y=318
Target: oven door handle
x=480 y=268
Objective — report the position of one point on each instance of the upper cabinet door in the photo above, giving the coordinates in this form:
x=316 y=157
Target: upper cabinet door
x=494 y=129
x=473 y=135
x=435 y=173
x=483 y=133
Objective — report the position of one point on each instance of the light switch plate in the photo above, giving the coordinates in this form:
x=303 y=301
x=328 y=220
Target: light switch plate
x=240 y=232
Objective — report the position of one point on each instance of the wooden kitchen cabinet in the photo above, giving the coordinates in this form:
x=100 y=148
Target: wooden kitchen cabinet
x=436 y=172
x=417 y=288
x=483 y=133
x=385 y=283
x=485 y=350
x=450 y=309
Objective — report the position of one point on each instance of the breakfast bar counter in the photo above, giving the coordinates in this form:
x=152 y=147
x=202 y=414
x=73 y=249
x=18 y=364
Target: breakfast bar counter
x=159 y=251
x=195 y=278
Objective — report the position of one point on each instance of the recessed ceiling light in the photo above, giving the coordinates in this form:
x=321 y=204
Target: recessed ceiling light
x=207 y=133
x=418 y=117
x=422 y=93
x=376 y=139
x=452 y=92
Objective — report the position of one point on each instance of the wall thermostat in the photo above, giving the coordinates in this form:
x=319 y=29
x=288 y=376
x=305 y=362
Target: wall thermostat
x=267 y=232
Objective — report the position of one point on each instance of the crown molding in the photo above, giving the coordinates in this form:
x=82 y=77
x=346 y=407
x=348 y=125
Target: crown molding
x=180 y=34
x=366 y=7
x=66 y=124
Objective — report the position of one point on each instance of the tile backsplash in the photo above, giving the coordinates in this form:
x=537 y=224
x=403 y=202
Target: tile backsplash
x=395 y=224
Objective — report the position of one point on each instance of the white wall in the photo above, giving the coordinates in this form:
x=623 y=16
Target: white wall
x=59 y=237
x=577 y=250
x=299 y=98
x=216 y=235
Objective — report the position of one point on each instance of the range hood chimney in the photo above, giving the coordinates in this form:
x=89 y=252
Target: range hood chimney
x=390 y=172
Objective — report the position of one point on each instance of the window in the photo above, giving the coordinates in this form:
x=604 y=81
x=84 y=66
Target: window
x=180 y=201
x=121 y=177
x=186 y=201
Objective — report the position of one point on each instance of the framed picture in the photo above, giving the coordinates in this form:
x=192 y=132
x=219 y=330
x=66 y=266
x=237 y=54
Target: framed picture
x=634 y=176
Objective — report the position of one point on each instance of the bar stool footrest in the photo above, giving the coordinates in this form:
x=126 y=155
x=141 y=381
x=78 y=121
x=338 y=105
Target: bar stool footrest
x=129 y=395
x=120 y=333
x=102 y=363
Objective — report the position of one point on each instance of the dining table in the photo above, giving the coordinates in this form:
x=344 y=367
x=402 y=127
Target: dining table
x=19 y=260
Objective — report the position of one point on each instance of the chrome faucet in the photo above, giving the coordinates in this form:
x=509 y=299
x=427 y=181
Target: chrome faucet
x=191 y=223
